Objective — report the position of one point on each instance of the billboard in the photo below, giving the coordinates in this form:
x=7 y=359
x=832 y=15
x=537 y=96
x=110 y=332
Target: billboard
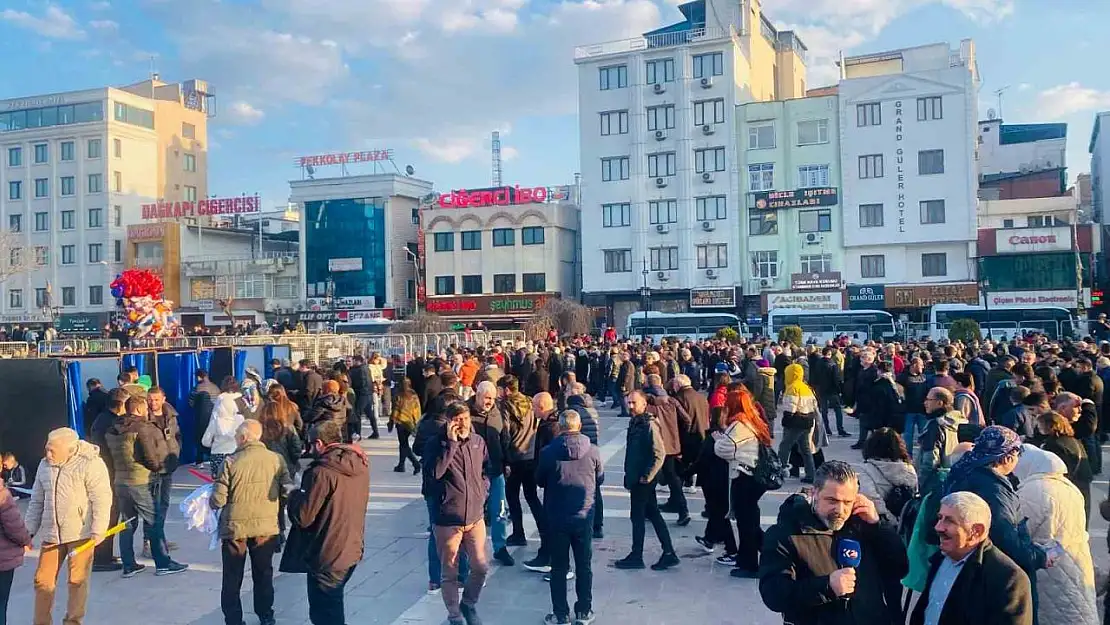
x=240 y=205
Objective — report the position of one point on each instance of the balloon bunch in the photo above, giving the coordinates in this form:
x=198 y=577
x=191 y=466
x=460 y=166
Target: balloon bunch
x=139 y=293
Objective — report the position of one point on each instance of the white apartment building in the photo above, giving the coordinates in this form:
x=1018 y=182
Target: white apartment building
x=1099 y=148
x=661 y=197
x=908 y=136
x=75 y=168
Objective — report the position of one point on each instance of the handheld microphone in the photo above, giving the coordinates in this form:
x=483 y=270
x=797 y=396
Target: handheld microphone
x=848 y=553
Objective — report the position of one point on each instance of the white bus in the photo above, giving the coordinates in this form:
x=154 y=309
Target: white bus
x=695 y=326
x=820 y=326
x=1052 y=321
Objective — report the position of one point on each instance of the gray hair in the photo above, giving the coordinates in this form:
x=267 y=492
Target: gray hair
x=249 y=431
x=68 y=436
x=969 y=507
x=575 y=389
x=486 y=389
x=1065 y=398
x=834 y=471
x=571 y=420
x=683 y=380
x=654 y=379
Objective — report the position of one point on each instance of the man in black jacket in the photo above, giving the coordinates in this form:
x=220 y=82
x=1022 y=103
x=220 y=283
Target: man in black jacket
x=310 y=385
x=643 y=460
x=971 y=581
x=164 y=418
x=360 y=384
x=486 y=420
x=799 y=576
x=202 y=401
x=330 y=510
x=827 y=381
x=431 y=387
x=95 y=403
x=865 y=392
x=104 y=559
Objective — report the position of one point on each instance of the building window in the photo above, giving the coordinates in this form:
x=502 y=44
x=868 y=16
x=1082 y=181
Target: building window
x=930 y=108
x=96 y=295
x=870 y=215
x=117 y=182
x=415 y=216
x=92 y=148
x=67 y=150
x=762 y=222
x=117 y=251
x=504 y=237
x=815 y=220
x=614 y=168
x=15 y=256
x=765 y=264
x=661 y=164
x=15 y=157
x=15 y=298
x=117 y=215
x=816 y=263
x=410 y=289
x=870 y=114
x=42 y=153
x=96 y=217
x=68 y=220
x=813 y=132
x=615 y=77
x=96 y=183
x=288 y=287
x=42 y=222
x=712 y=256
x=15 y=189
x=761 y=136
x=42 y=187
x=15 y=223
x=871 y=166
x=503 y=282
x=618 y=261
x=531 y=235
x=42 y=255
x=444 y=241
x=471 y=239
x=190 y=162
x=709 y=159
x=445 y=285
x=69 y=254
x=42 y=298
x=96 y=252
x=710 y=208
x=930 y=162
x=188 y=130
x=190 y=194
x=614 y=123
x=1007 y=223
x=663 y=258
x=535 y=282
x=934 y=265
x=659 y=70
x=136 y=116
x=472 y=285
x=663 y=211
x=932 y=212
x=660 y=117
x=712 y=64
x=616 y=215
x=872 y=266
x=709 y=112
x=761 y=177
x=67 y=185
x=810 y=176
x=69 y=296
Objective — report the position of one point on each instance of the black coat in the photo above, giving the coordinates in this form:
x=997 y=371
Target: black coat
x=887 y=407
x=431 y=389
x=327 y=408
x=825 y=377
x=989 y=590
x=865 y=396
x=330 y=507
x=96 y=403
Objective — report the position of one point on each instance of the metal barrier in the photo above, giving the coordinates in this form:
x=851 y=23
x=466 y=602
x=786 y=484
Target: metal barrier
x=102 y=346
x=61 y=346
x=15 y=349
x=512 y=336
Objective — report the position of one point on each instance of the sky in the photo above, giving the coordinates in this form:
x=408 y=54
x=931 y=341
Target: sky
x=430 y=79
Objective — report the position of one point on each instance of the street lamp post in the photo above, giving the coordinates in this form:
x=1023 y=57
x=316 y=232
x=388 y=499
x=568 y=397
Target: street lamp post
x=415 y=279
x=645 y=299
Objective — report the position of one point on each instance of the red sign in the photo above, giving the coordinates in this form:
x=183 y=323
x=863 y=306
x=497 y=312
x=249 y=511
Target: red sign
x=507 y=304
x=1032 y=240
x=342 y=158
x=502 y=196
x=214 y=206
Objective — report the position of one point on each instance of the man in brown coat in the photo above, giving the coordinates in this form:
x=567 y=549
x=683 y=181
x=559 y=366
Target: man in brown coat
x=696 y=406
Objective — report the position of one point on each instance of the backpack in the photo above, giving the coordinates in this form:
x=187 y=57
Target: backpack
x=769 y=471
x=907 y=517
x=897 y=499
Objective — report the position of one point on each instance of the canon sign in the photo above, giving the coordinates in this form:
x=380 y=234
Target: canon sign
x=1024 y=240
x=1033 y=240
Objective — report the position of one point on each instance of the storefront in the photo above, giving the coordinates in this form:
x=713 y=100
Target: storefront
x=82 y=324
x=496 y=312
x=157 y=248
x=1048 y=266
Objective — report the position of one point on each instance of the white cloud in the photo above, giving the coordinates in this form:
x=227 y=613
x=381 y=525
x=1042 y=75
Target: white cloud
x=452 y=150
x=54 y=23
x=509 y=153
x=104 y=25
x=101 y=5
x=1068 y=99
x=243 y=112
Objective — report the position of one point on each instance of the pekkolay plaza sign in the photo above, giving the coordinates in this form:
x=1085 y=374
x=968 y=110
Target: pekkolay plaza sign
x=146 y=314
x=488 y=305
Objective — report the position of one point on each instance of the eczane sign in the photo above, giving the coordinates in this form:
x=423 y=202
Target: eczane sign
x=1023 y=240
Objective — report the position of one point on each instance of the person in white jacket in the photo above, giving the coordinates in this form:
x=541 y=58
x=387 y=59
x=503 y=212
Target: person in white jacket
x=1054 y=509
x=227 y=413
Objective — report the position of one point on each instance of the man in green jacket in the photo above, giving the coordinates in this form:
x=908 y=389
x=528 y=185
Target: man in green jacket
x=246 y=493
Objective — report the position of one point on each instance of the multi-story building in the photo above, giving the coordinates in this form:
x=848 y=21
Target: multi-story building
x=908 y=135
x=1099 y=148
x=789 y=157
x=658 y=151
x=75 y=170
x=496 y=255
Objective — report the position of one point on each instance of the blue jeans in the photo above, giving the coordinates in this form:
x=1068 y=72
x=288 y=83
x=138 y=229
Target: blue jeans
x=577 y=538
x=614 y=393
x=914 y=420
x=497 y=511
x=435 y=569
x=160 y=487
x=135 y=501
x=325 y=596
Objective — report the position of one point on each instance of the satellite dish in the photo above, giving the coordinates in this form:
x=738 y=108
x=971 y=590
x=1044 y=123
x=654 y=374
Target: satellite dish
x=992 y=114
x=409 y=170
x=310 y=170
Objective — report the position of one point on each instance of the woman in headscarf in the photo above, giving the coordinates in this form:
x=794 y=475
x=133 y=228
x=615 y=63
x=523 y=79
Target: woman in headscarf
x=799 y=415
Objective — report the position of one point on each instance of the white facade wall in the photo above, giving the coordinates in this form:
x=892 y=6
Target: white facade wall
x=995 y=158
x=1100 y=167
x=995 y=213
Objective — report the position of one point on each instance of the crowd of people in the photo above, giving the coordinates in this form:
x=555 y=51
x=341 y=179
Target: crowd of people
x=969 y=501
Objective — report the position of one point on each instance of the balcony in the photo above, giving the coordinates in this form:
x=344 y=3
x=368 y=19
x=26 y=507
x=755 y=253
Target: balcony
x=660 y=40
x=238 y=264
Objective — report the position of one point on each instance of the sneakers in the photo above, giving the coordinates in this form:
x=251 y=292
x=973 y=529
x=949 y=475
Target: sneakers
x=504 y=557
x=547 y=578
x=132 y=571
x=516 y=540
x=683 y=520
x=630 y=562
x=538 y=564
x=726 y=560
x=689 y=490
x=666 y=561
x=705 y=544
x=599 y=533
x=470 y=614
x=552 y=619
x=584 y=618
x=433 y=589
x=171 y=569
x=399 y=468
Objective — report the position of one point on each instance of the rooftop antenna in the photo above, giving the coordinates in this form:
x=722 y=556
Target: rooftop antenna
x=999 y=93
x=495 y=149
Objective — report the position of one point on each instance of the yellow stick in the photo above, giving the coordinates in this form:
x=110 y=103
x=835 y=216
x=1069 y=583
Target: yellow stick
x=112 y=531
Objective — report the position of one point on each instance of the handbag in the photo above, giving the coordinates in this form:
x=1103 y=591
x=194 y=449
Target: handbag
x=769 y=471
x=294 y=553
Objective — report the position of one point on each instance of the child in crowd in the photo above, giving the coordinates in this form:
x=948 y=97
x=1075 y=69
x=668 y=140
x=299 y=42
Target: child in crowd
x=15 y=476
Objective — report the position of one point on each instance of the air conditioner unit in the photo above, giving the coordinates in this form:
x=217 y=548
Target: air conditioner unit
x=764 y=282
x=662 y=275
x=658 y=88
x=708 y=226
x=662 y=229
x=707 y=129
x=660 y=182
x=660 y=135
x=707 y=177
x=709 y=273
x=706 y=83
x=814 y=239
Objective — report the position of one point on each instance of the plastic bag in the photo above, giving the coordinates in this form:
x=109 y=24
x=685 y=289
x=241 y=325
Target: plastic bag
x=200 y=516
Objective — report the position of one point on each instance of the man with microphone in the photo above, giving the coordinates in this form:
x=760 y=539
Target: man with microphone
x=829 y=559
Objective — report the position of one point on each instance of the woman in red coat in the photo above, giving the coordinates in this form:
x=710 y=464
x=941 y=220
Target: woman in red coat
x=14 y=538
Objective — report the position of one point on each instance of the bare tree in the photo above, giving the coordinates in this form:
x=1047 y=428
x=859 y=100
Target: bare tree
x=15 y=259
x=225 y=305
x=422 y=323
x=564 y=316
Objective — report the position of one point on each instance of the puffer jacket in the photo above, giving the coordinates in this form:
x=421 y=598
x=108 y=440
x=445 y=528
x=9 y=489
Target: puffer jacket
x=878 y=477
x=1054 y=509
x=70 y=502
x=247 y=492
x=219 y=436
x=938 y=442
x=591 y=423
x=137 y=449
x=521 y=424
x=327 y=408
x=737 y=446
x=13 y=533
x=765 y=394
